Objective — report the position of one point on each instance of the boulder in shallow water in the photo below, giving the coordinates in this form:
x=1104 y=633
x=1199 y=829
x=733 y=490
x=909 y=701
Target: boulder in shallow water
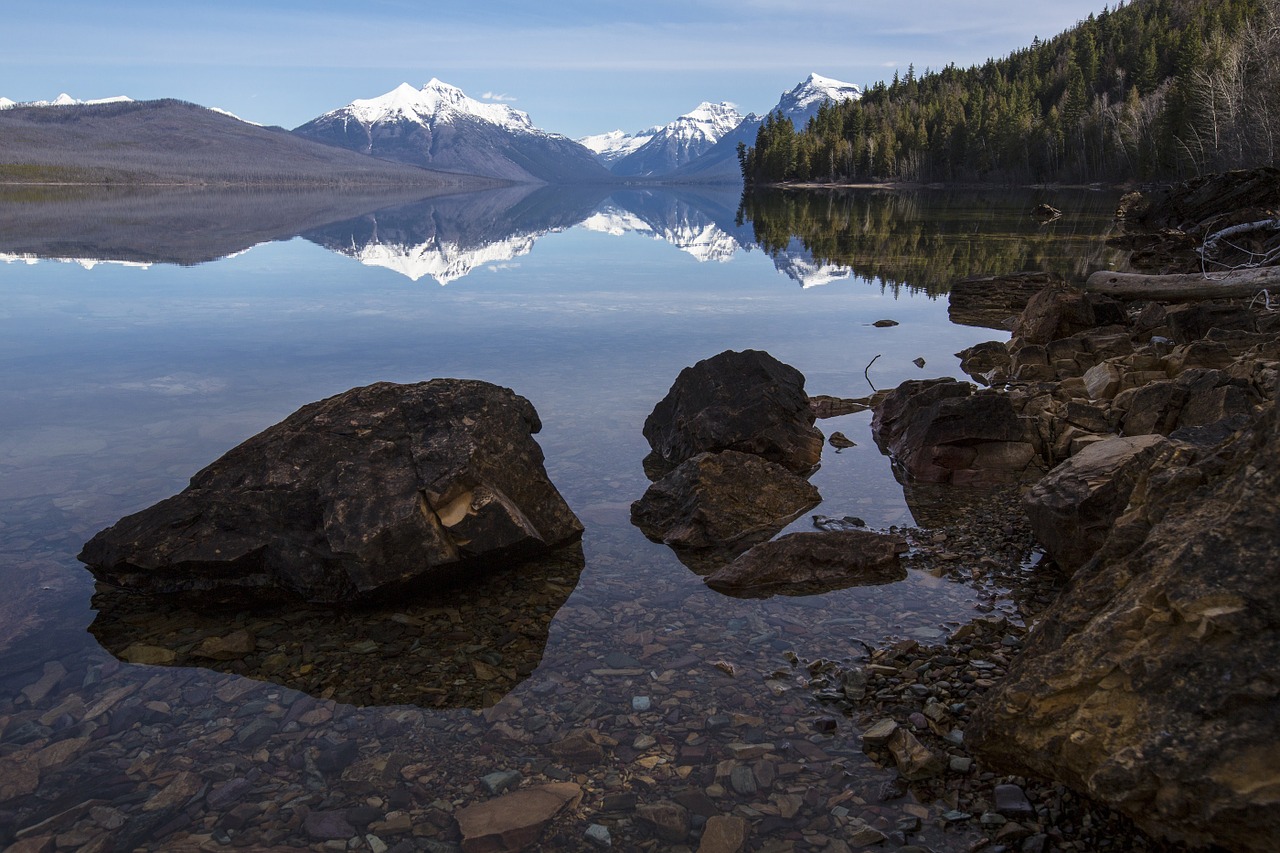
x=940 y=431
x=722 y=501
x=361 y=494
x=745 y=401
x=804 y=563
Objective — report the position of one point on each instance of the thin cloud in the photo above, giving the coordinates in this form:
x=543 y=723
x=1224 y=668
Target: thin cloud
x=495 y=96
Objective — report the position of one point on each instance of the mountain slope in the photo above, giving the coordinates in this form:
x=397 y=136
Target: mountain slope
x=440 y=127
x=720 y=161
x=616 y=144
x=680 y=142
x=168 y=142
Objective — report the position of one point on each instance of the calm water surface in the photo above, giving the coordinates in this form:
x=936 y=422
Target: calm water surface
x=133 y=353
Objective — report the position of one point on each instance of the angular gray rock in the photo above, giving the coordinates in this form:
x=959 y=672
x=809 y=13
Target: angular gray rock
x=367 y=492
x=746 y=401
x=800 y=563
x=1073 y=507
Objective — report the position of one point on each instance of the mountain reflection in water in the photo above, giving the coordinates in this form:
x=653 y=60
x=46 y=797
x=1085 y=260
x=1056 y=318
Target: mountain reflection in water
x=919 y=239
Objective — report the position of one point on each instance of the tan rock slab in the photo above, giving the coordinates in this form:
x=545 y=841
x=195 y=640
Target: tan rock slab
x=724 y=834
x=514 y=821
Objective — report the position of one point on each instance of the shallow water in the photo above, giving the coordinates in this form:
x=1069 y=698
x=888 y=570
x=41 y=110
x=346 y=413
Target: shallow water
x=123 y=378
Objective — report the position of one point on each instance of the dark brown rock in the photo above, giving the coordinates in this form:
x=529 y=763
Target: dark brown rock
x=1150 y=684
x=826 y=406
x=940 y=431
x=370 y=490
x=1056 y=313
x=800 y=562
x=1073 y=507
x=746 y=401
x=669 y=821
x=722 y=500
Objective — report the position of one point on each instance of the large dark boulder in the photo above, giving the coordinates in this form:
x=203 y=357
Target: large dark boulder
x=745 y=401
x=1055 y=313
x=995 y=301
x=1151 y=684
x=1073 y=508
x=722 y=502
x=805 y=563
x=940 y=431
x=368 y=491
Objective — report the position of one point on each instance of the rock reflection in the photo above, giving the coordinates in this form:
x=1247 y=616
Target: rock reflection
x=464 y=648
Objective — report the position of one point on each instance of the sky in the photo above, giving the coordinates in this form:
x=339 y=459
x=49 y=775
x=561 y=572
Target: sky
x=577 y=67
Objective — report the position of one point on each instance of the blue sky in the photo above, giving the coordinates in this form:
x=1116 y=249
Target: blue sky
x=576 y=67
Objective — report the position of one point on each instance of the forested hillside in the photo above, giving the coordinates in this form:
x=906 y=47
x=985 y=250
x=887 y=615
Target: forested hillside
x=1149 y=89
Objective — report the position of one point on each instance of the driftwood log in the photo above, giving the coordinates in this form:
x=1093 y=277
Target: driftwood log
x=1185 y=287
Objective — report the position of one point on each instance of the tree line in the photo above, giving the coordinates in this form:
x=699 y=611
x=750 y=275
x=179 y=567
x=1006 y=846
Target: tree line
x=1152 y=89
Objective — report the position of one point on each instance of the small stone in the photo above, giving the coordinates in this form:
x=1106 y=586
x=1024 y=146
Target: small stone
x=742 y=780
x=640 y=703
x=918 y=362
x=501 y=781
x=879 y=733
x=235 y=645
x=1011 y=802
x=840 y=441
x=865 y=836
x=885 y=324
x=376 y=844
x=669 y=821
x=915 y=761
x=326 y=825
x=960 y=764
x=724 y=834
x=599 y=836
x=956 y=816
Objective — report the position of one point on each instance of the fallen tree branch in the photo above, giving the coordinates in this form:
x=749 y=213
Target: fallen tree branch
x=1183 y=288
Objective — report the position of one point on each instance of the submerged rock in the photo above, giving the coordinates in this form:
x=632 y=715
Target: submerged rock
x=746 y=401
x=515 y=821
x=995 y=301
x=802 y=563
x=365 y=492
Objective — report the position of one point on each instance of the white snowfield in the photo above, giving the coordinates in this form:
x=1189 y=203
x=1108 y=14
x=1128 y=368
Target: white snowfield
x=64 y=100
x=437 y=101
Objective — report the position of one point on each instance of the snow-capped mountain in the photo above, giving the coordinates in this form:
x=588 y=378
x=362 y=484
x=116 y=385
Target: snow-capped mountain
x=616 y=144
x=720 y=162
x=681 y=141
x=64 y=100
x=441 y=127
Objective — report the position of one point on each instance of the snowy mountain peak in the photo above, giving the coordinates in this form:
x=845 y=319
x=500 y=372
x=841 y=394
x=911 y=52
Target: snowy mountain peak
x=706 y=122
x=815 y=89
x=437 y=101
x=64 y=100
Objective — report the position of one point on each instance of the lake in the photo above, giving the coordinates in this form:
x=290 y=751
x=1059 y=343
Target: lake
x=143 y=335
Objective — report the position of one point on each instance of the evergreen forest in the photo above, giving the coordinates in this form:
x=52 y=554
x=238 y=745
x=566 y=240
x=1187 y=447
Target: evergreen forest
x=1147 y=90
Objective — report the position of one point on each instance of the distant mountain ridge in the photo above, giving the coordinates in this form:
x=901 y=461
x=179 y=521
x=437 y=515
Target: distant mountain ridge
x=64 y=100
x=680 y=142
x=174 y=142
x=440 y=127
x=720 y=162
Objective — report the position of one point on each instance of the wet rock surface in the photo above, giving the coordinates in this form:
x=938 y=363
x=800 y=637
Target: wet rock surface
x=373 y=490
x=941 y=431
x=716 y=505
x=805 y=563
x=1150 y=684
x=745 y=401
